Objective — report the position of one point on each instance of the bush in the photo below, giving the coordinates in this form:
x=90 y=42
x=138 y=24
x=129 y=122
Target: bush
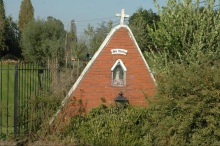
x=108 y=126
x=187 y=107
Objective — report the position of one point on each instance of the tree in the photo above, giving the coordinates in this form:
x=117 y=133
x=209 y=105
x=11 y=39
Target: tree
x=2 y=26
x=96 y=36
x=186 y=111
x=186 y=32
x=12 y=39
x=26 y=14
x=139 y=22
x=42 y=40
x=79 y=49
x=9 y=35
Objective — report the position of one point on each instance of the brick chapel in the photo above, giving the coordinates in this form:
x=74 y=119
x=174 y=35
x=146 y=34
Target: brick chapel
x=117 y=66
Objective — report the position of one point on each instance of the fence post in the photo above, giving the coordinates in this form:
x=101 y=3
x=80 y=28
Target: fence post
x=16 y=101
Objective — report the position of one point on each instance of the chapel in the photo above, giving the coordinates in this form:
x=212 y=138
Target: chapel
x=118 y=67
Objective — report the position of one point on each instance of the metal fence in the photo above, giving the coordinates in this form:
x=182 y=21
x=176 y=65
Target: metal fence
x=19 y=84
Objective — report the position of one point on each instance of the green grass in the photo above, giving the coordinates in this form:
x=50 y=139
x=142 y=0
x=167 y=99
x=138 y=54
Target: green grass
x=6 y=97
x=7 y=83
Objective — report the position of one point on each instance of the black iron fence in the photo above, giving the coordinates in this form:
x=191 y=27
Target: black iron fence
x=19 y=85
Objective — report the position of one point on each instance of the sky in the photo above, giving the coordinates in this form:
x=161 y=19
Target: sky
x=84 y=12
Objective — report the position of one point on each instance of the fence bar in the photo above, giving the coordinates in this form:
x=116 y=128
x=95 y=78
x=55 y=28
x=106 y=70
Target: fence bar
x=7 y=99
x=21 y=95
x=1 y=101
x=16 y=100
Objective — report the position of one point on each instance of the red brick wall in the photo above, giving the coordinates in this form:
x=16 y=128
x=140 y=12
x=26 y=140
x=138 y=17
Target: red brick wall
x=96 y=83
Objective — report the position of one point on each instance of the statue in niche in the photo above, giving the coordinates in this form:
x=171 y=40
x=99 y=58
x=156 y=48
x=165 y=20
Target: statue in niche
x=118 y=75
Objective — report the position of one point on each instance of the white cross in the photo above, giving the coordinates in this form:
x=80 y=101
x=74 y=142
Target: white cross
x=122 y=15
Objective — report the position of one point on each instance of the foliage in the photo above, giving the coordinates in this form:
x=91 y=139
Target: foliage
x=41 y=108
x=79 y=49
x=12 y=39
x=26 y=14
x=90 y=42
x=76 y=46
x=186 y=111
x=9 y=35
x=2 y=26
x=96 y=36
x=42 y=40
x=185 y=32
x=107 y=126
x=139 y=23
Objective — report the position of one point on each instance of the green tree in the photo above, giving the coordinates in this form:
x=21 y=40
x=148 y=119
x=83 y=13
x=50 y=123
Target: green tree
x=186 y=111
x=12 y=38
x=26 y=14
x=9 y=36
x=2 y=26
x=42 y=40
x=79 y=49
x=139 y=22
x=96 y=36
x=185 y=32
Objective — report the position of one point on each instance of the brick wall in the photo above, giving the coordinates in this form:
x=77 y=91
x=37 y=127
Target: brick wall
x=96 y=83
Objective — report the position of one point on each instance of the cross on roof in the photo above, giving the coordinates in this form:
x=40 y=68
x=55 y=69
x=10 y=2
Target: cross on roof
x=122 y=15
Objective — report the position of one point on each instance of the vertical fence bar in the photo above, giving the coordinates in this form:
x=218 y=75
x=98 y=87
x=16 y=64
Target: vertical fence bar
x=20 y=83
x=16 y=100
x=7 y=100
x=21 y=97
x=1 y=101
x=25 y=97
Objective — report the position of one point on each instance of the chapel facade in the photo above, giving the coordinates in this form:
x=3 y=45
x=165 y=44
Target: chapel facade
x=117 y=66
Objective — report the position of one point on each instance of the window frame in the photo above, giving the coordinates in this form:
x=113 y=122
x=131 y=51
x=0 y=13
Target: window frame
x=124 y=69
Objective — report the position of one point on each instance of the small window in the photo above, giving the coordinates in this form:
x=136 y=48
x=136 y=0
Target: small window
x=118 y=73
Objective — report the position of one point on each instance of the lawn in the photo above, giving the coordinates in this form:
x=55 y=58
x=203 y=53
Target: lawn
x=6 y=97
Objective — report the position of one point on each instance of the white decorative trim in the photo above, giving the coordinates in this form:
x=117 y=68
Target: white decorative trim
x=105 y=42
x=119 y=61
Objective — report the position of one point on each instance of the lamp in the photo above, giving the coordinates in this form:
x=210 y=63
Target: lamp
x=120 y=100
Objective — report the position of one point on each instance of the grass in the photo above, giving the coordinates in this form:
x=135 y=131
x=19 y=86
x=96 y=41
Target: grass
x=7 y=82
x=28 y=87
x=6 y=98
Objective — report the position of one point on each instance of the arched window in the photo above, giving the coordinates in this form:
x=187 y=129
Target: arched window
x=118 y=73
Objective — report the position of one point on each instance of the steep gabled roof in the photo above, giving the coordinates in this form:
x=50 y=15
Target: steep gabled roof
x=106 y=41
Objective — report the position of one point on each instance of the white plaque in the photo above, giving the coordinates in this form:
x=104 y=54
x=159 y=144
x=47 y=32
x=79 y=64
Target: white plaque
x=119 y=51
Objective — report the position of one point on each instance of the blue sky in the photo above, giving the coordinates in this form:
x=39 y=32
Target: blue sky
x=84 y=12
